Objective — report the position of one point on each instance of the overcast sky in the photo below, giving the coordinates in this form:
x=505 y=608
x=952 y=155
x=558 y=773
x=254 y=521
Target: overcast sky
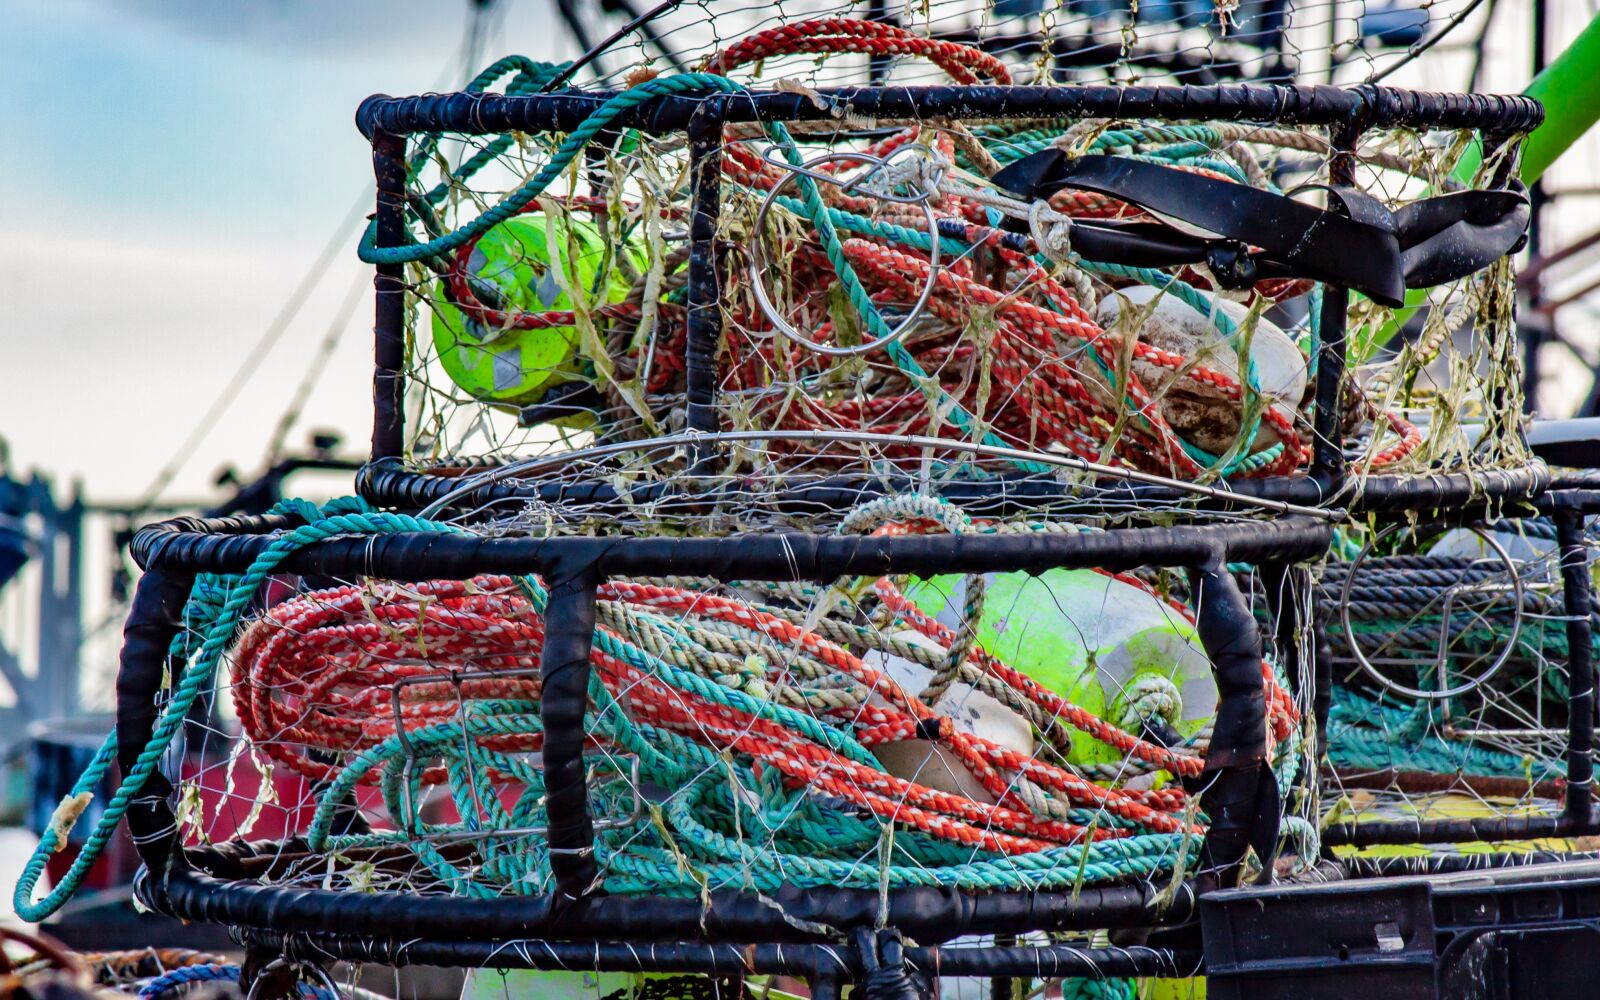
x=172 y=168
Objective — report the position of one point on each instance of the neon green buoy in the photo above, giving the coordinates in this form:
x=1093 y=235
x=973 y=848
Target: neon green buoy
x=511 y=367
x=1105 y=645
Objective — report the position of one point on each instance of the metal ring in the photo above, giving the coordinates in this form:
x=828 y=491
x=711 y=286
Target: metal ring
x=757 y=263
x=1439 y=663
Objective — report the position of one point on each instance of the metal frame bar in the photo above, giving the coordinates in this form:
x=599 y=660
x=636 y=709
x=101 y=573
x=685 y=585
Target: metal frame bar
x=1577 y=818
x=185 y=887
x=572 y=569
x=807 y=960
x=229 y=545
x=1373 y=106
x=389 y=348
x=1575 y=595
x=387 y=484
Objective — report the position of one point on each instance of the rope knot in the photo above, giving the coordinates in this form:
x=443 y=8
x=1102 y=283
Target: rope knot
x=1051 y=231
x=921 y=168
x=751 y=678
x=1150 y=696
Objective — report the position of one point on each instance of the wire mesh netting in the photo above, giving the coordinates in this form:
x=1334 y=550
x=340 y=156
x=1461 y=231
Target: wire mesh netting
x=1450 y=649
x=1042 y=293
x=1191 y=41
x=960 y=314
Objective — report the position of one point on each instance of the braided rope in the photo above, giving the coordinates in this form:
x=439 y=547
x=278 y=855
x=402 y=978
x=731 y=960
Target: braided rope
x=195 y=677
x=188 y=975
x=965 y=64
x=530 y=189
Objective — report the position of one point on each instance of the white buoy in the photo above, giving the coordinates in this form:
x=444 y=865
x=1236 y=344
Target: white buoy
x=969 y=710
x=1203 y=415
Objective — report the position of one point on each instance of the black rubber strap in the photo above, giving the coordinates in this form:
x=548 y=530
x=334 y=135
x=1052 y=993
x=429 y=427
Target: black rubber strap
x=1453 y=235
x=1307 y=240
x=1364 y=247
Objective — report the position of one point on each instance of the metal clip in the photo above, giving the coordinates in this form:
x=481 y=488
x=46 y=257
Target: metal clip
x=334 y=992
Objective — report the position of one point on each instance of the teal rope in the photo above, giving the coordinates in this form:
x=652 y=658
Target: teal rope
x=1182 y=290
x=530 y=189
x=1368 y=734
x=822 y=219
x=1314 y=332
x=530 y=78
x=1185 y=141
x=1098 y=989
x=636 y=861
x=1213 y=163
x=194 y=678
x=1192 y=297
x=904 y=235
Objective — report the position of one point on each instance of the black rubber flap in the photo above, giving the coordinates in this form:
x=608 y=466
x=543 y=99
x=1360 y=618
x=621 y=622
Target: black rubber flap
x=1247 y=234
x=1293 y=238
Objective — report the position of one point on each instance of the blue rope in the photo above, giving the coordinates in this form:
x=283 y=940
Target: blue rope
x=189 y=975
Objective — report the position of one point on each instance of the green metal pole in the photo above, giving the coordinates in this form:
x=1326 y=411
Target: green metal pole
x=1569 y=89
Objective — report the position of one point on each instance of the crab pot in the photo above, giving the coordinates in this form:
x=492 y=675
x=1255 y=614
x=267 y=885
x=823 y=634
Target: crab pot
x=582 y=895
x=935 y=589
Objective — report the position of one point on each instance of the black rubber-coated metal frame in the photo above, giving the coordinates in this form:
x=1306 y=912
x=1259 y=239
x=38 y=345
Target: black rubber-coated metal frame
x=1568 y=509
x=788 y=916
x=731 y=931
x=1367 y=107
x=1480 y=494
x=215 y=884
x=230 y=545
x=804 y=960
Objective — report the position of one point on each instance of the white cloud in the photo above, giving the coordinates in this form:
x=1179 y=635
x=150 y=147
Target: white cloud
x=116 y=345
